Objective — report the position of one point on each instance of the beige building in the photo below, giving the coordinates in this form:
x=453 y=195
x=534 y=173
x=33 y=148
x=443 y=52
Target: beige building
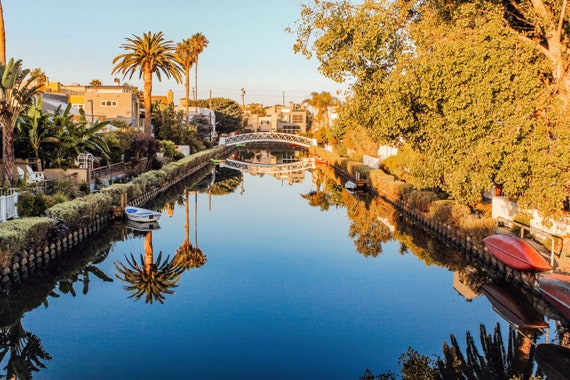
x=100 y=103
x=291 y=119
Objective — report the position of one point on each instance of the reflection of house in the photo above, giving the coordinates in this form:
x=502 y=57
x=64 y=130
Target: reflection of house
x=100 y=103
x=462 y=288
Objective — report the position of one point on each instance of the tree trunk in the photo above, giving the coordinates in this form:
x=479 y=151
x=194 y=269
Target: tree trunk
x=8 y=153
x=147 y=94
x=196 y=85
x=2 y=36
x=187 y=88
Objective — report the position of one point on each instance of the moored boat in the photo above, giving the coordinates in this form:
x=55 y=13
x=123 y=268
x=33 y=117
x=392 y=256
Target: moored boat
x=350 y=186
x=138 y=214
x=555 y=288
x=509 y=305
x=554 y=360
x=516 y=253
x=142 y=226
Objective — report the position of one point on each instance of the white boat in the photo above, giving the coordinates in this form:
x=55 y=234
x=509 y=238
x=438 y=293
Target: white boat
x=142 y=226
x=138 y=214
x=350 y=186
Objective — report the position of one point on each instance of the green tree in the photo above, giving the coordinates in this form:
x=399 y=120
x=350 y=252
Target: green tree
x=320 y=104
x=72 y=138
x=198 y=43
x=186 y=57
x=229 y=114
x=149 y=54
x=18 y=87
x=35 y=128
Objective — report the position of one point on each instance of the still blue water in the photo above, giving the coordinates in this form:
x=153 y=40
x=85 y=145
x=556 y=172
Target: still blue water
x=284 y=294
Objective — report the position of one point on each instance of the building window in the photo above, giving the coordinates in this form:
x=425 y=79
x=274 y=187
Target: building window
x=78 y=106
x=297 y=119
x=108 y=103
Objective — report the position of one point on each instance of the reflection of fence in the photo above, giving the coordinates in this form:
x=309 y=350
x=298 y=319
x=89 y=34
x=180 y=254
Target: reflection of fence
x=108 y=171
x=8 y=209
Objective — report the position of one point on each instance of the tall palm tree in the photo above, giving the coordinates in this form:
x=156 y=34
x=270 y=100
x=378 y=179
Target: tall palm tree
x=186 y=57
x=17 y=92
x=149 y=54
x=199 y=42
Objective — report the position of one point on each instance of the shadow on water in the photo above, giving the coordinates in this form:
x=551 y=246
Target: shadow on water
x=21 y=351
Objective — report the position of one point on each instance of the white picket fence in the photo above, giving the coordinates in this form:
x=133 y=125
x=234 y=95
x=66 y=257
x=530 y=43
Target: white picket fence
x=8 y=209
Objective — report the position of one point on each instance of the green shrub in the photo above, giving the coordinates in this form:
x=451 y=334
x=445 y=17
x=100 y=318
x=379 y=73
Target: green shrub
x=32 y=202
x=448 y=212
x=17 y=235
x=420 y=200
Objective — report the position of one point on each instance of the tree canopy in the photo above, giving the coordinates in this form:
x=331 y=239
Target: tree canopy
x=476 y=94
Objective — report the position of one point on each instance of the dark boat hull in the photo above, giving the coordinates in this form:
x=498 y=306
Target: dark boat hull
x=554 y=360
x=555 y=288
x=516 y=253
x=512 y=308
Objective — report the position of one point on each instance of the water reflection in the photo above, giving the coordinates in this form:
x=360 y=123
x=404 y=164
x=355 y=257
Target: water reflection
x=24 y=351
x=383 y=239
x=149 y=278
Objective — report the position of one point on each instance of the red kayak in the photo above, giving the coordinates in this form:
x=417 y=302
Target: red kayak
x=555 y=288
x=516 y=253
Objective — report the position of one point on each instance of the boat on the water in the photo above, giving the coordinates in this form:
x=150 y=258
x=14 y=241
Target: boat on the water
x=509 y=305
x=516 y=253
x=555 y=288
x=553 y=360
x=138 y=214
x=350 y=186
x=142 y=226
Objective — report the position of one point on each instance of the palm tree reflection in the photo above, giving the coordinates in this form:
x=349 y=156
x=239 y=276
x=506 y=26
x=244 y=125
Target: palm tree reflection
x=187 y=256
x=149 y=278
x=25 y=350
x=495 y=361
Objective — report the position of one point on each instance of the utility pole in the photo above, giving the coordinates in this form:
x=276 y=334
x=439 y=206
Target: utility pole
x=283 y=98
x=242 y=97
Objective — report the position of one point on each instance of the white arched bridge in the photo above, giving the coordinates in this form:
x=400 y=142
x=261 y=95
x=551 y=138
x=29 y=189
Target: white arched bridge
x=268 y=137
x=306 y=163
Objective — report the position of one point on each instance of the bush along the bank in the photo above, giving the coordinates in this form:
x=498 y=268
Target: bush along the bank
x=426 y=204
x=79 y=214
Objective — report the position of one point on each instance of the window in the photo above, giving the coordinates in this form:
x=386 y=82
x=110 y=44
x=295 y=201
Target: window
x=297 y=119
x=108 y=103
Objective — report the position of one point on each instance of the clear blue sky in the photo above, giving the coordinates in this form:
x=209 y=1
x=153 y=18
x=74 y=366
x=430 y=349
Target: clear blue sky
x=76 y=41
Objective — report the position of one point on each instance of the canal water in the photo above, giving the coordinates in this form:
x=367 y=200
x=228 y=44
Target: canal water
x=255 y=276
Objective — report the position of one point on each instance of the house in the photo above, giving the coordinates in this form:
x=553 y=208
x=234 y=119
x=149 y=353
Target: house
x=100 y=103
x=292 y=119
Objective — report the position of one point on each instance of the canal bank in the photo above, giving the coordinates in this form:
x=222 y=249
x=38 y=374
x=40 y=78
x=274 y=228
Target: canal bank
x=28 y=243
x=453 y=224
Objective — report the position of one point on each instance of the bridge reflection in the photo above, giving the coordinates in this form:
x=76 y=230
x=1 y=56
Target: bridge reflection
x=258 y=168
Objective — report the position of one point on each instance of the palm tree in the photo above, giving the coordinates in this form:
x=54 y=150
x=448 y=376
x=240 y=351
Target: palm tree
x=186 y=57
x=148 y=278
x=35 y=127
x=17 y=92
x=151 y=54
x=95 y=82
x=320 y=103
x=199 y=42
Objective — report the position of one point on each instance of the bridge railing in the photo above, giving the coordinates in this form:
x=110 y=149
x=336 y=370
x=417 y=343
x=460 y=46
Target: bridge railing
x=268 y=137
